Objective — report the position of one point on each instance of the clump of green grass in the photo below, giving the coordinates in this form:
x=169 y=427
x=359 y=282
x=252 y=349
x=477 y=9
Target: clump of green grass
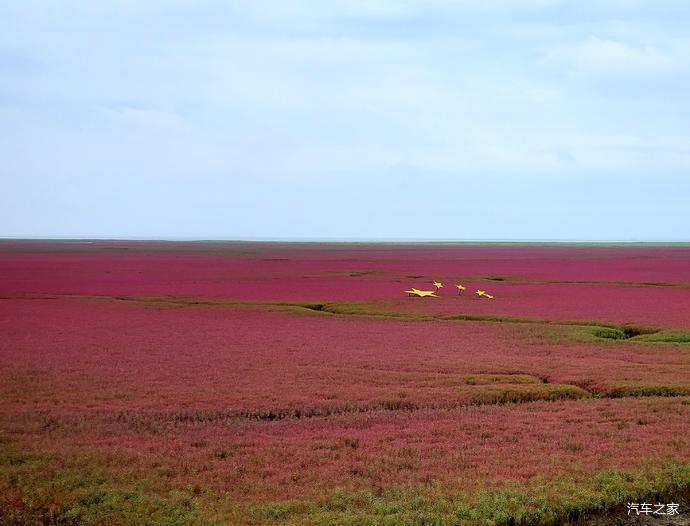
x=666 y=337
x=626 y=332
x=610 y=333
x=526 y=392
x=624 y=390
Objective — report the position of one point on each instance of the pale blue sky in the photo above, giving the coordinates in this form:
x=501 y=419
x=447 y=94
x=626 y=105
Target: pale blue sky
x=513 y=119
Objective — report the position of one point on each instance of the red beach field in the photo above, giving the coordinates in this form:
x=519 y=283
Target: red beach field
x=247 y=383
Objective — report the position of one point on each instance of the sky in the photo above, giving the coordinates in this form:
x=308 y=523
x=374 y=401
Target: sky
x=379 y=119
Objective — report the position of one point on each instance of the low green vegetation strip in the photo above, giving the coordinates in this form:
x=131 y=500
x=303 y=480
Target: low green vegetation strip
x=377 y=311
x=665 y=337
x=598 y=329
x=626 y=389
x=641 y=334
x=91 y=490
x=540 y=502
x=85 y=490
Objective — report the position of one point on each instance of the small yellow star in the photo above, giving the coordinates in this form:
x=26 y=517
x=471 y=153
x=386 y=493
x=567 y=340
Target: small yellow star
x=460 y=287
x=438 y=285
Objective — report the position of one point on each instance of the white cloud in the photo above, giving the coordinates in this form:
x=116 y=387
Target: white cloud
x=609 y=57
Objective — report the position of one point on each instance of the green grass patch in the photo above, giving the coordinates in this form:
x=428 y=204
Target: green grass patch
x=364 y=309
x=609 y=333
x=666 y=336
x=517 y=393
x=635 y=389
x=504 y=504
x=624 y=332
x=86 y=489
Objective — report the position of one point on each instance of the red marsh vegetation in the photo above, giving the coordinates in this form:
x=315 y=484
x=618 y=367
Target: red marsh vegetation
x=249 y=383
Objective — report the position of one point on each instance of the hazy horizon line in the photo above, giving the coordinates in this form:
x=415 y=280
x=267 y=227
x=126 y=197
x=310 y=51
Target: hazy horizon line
x=392 y=240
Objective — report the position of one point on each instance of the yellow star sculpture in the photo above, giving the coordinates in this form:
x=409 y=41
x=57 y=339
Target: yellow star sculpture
x=421 y=293
x=460 y=288
x=481 y=293
x=438 y=285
